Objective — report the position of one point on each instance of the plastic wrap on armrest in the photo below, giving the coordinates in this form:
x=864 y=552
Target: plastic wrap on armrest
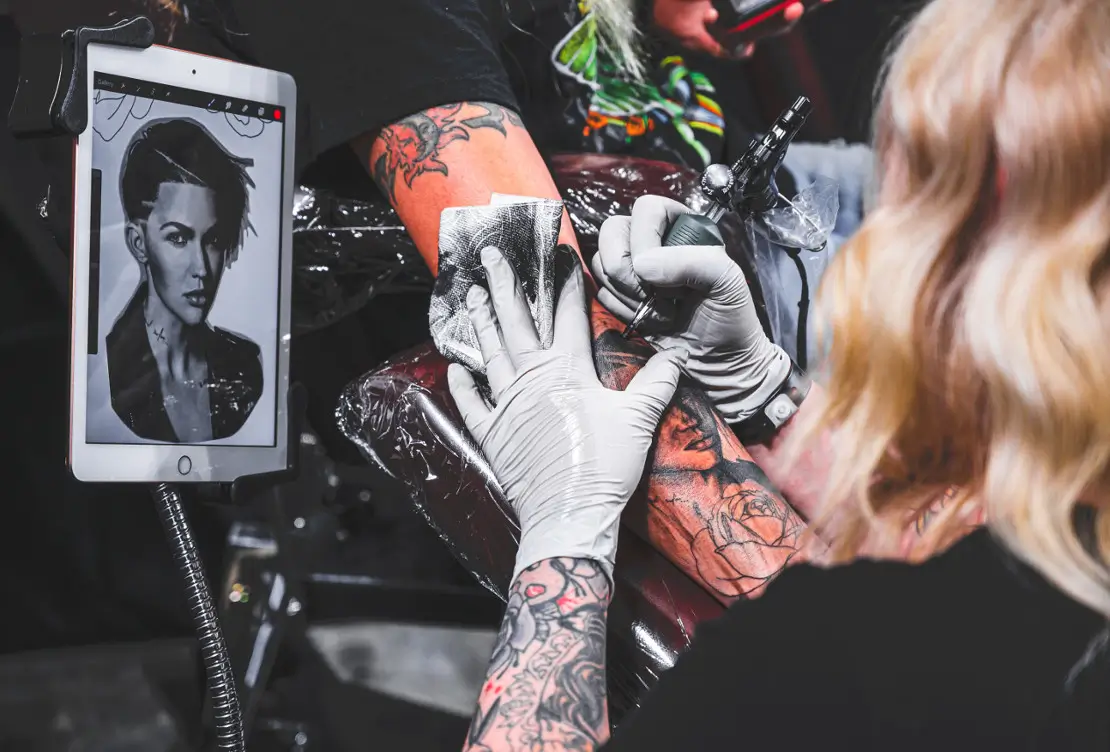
x=346 y=250
x=403 y=420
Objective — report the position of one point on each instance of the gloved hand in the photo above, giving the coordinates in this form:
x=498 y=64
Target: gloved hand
x=715 y=322
x=567 y=451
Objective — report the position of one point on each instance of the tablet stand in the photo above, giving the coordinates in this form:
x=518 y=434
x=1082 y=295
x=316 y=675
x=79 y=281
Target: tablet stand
x=52 y=100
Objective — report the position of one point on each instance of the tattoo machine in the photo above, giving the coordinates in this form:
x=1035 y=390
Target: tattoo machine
x=748 y=188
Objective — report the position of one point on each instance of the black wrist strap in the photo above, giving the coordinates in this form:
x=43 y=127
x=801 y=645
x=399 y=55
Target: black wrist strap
x=780 y=407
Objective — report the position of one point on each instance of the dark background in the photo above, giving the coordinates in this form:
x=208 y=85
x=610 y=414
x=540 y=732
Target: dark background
x=83 y=564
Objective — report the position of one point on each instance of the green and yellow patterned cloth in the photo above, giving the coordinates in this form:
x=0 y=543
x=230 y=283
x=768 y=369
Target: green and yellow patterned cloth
x=670 y=113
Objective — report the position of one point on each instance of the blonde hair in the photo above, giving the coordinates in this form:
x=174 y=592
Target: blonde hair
x=969 y=322
x=618 y=35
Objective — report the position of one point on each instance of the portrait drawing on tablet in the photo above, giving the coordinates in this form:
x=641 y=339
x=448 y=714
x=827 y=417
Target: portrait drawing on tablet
x=173 y=376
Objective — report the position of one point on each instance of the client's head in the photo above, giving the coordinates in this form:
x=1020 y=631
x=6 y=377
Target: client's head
x=970 y=316
x=186 y=200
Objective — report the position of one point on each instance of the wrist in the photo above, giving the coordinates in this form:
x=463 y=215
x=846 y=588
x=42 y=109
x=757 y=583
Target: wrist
x=743 y=386
x=581 y=536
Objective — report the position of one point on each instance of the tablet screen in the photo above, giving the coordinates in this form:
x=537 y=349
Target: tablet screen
x=184 y=249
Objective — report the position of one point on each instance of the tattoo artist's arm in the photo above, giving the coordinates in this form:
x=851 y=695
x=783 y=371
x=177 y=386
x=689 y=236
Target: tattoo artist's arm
x=454 y=155
x=568 y=453
x=546 y=682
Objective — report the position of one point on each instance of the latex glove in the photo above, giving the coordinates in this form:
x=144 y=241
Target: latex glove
x=715 y=322
x=567 y=451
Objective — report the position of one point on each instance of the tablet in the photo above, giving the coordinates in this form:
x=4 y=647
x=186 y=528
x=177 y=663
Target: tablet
x=182 y=269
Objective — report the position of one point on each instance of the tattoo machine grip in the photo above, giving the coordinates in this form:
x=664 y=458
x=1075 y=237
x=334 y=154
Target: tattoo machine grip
x=748 y=187
x=688 y=229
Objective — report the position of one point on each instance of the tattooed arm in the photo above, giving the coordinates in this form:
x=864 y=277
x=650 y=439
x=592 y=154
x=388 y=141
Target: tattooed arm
x=707 y=507
x=546 y=682
x=454 y=155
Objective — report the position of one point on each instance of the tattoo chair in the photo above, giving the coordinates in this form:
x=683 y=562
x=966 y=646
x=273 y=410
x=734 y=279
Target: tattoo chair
x=707 y=526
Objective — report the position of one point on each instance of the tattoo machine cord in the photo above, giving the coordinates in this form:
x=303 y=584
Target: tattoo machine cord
x=747 y=187
x=802 y=347
x=213 y=648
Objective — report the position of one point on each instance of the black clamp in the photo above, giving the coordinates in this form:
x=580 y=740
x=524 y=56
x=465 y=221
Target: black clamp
x=52 y=98
x=247 y=487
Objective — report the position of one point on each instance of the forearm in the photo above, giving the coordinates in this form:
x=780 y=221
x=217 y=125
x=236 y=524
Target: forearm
x=708 y=507
x=454 y=155
x=546 y=682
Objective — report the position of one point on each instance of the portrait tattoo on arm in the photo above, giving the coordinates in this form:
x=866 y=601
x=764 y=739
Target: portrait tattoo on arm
x=546 y=682
x=709 y=508
x=413 y=146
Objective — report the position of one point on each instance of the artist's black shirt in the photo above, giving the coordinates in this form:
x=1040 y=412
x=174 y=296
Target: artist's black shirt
x=361 y=65
x=971 y=650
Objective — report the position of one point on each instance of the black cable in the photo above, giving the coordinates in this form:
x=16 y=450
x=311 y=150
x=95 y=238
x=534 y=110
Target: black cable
x=213 y=649
x=802 y=355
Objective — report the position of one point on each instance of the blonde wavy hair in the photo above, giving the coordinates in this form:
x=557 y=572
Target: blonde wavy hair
x=970 y=315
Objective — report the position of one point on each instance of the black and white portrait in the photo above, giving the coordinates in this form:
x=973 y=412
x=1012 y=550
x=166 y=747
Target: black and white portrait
x=188 y=295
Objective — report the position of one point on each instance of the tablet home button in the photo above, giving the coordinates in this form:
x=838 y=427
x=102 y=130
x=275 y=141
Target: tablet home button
x=184 y=465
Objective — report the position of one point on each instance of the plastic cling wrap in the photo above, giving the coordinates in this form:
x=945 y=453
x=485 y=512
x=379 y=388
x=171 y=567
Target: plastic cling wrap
x=807 y=219
x=404 y=420
x=345 y=252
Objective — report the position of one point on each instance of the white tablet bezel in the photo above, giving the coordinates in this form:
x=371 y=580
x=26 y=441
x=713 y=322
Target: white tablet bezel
x=177 y=462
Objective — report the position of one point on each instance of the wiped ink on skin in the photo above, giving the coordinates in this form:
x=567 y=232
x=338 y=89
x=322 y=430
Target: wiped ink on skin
x=709 y=509
x=546 y=682
x=412 y=146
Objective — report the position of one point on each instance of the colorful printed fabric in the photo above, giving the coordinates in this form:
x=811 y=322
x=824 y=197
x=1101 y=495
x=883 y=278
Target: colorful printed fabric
x=670 y=115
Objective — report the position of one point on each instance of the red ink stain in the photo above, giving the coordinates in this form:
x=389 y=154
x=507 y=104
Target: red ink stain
x=565 y=601
x=533 y=591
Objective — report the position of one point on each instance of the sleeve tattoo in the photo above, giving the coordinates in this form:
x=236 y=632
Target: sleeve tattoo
x=546 y=682
x=413 y=146
x=709 y=508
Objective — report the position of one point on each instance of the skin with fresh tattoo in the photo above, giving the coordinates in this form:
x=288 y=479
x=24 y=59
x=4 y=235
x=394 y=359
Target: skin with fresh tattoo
x=709 y=508
x=546 y=682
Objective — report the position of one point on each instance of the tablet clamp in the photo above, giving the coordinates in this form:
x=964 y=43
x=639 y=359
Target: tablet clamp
x=52 y=98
